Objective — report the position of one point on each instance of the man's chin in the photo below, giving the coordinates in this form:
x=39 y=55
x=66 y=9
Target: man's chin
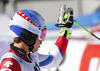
x=35 y=50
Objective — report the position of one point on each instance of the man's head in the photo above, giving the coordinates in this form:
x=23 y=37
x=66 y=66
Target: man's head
x=28 y=25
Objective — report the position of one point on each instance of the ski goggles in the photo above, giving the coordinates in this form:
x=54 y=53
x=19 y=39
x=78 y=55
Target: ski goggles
x=42 y=34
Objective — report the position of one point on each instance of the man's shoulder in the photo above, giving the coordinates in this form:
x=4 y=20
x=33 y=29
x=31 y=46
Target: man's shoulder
x=9 y=55
x=9 y=64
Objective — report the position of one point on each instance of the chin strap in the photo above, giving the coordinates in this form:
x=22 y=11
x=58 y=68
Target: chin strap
x=31 y=48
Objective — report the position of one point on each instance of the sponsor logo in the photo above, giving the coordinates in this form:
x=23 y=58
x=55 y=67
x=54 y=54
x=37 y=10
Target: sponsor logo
x=34 y=30
x=91 y=58
x=8 y=63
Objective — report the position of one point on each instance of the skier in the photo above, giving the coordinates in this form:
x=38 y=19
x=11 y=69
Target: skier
x=29 y=30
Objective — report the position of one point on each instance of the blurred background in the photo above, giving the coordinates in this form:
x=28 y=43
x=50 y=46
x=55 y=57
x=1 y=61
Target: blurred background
x=83 y=51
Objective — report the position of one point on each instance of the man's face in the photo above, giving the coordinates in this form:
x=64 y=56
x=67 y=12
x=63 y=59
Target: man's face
x=37 y=45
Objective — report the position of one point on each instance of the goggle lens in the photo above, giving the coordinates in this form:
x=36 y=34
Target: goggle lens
x=43 y=34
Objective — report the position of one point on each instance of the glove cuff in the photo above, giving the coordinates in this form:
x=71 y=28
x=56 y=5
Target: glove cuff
x=66 y=32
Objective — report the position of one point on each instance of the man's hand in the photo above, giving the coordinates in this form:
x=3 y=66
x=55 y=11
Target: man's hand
x=65 y=21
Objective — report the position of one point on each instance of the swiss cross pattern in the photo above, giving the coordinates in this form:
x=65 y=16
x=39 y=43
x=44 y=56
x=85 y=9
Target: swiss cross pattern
x=22 y=14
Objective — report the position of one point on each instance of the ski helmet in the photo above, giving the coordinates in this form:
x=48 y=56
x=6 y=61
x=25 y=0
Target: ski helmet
x=27 y=24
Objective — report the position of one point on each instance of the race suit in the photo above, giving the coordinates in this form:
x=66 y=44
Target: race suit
x=17 y=60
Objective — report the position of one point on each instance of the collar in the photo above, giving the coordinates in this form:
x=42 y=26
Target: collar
x=17 y=49
x=21 y=53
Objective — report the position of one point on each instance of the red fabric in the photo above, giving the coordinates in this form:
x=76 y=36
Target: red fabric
x=10 y=64
x=62 y=43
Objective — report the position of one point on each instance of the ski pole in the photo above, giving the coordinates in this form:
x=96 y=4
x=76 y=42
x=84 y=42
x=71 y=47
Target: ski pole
x=86 y=30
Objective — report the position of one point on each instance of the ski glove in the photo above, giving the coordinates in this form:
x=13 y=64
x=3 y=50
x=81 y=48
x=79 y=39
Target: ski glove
x=65 y=21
